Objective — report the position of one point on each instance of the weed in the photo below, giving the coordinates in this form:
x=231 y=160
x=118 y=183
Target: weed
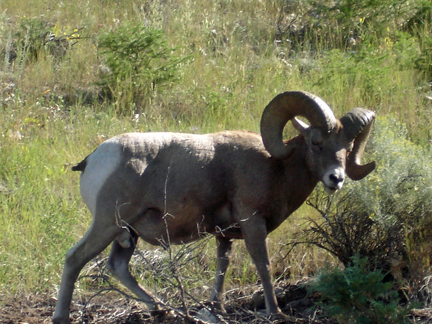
x=138 y=62
x=31 y=37
x=358 y=295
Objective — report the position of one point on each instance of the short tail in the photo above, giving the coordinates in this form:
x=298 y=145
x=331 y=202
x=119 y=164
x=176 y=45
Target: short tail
x=80 y=166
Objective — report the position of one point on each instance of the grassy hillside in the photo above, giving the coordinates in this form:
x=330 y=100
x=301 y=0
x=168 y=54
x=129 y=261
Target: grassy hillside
x=65 y=87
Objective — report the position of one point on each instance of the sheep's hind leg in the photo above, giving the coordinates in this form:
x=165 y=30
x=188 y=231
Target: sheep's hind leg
x=118 y=265
x=97 y=238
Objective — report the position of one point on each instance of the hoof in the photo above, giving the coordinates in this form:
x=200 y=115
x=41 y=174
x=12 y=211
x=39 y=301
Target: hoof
x=216 y=307
x=207 y=317
x=61 y=321
x=162 y=314
x=276 y=318
x=280 y=318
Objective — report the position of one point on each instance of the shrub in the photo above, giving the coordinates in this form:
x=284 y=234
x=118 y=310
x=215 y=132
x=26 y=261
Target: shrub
x=138 y=61
x=31 y=37
x=357 y=295
x=424 y=61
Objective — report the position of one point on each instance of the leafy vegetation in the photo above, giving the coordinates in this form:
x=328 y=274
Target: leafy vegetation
x=138 y=60
x=358 y=295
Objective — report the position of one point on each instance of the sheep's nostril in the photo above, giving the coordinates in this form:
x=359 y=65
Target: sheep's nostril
x=335 y=178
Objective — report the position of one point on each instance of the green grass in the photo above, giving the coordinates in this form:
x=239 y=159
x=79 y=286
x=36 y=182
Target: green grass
x=238 y=64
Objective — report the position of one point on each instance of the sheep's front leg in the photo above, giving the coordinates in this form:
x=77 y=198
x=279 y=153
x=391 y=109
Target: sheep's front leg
x=224 y=246
x=255 y=235
x=118 y=265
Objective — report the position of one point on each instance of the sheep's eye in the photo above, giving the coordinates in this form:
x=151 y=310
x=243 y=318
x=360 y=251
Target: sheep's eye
x=317 y=145
x=316 y=140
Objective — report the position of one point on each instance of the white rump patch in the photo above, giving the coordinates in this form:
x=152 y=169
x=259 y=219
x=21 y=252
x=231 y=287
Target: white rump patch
x=100 y=165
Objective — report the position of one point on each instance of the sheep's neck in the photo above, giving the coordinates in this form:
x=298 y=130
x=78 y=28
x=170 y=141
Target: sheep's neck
x=298 y=184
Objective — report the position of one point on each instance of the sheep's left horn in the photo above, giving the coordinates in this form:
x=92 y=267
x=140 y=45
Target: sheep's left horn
x=357 y=125
x=286 y=106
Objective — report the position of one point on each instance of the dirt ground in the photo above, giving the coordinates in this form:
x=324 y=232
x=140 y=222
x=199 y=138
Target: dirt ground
x=114 y=308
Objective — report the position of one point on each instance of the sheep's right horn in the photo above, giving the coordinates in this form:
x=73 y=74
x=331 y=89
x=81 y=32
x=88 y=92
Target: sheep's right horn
x=357 y=125
x=286 y=106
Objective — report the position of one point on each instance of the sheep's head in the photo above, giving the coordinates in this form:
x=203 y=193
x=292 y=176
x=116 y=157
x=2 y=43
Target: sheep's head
x=334 y=147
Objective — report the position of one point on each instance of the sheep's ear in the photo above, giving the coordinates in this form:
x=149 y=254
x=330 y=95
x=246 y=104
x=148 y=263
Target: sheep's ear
x=300 y=125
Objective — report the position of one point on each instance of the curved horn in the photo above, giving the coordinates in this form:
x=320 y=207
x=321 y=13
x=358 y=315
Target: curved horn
x=357 y=125
x=286 y=106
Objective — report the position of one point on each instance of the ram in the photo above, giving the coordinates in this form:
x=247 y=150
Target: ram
x=170 y=188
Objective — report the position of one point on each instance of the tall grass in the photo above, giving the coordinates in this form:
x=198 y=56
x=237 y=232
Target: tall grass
x=240 y=61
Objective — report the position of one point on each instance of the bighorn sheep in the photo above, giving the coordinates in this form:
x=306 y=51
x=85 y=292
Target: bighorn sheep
x=210 y=182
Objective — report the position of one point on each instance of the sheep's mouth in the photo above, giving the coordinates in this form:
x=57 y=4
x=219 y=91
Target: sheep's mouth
x=331 y=189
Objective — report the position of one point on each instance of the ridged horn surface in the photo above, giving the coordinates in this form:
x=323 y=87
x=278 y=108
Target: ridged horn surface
x=286 y=106
x=357 y=125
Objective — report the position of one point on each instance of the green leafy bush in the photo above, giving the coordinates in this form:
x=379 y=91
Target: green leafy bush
x=31 y=37
x=368 y=30
x=424 y=60
x=138 y=61
x=358 y=295
x=36 y=36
